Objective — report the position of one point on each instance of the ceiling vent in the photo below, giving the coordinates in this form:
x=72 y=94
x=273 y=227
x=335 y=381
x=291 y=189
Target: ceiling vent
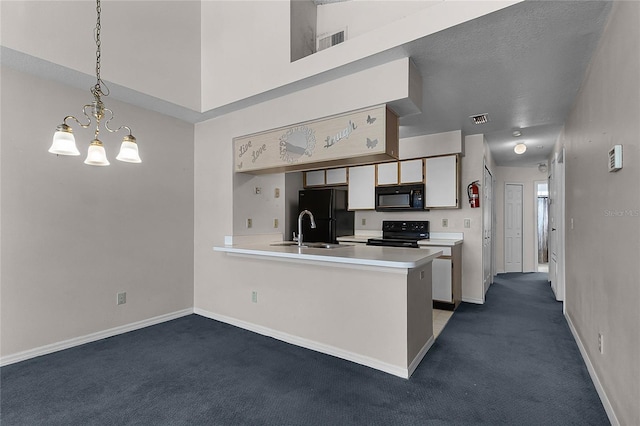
x=480 y=118
x=326 y=40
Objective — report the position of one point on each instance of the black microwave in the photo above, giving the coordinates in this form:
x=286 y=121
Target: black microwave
x=400 y=197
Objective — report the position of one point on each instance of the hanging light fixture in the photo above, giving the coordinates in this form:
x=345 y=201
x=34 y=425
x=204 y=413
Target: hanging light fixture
x=64 y=142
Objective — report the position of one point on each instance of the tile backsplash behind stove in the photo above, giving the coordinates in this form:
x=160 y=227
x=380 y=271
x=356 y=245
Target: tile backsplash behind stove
x=371 y=221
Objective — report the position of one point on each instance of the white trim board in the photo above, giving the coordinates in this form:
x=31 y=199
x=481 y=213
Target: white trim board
x=594 y=377
x=77 y=341
x=473 y=300
x=405 y=373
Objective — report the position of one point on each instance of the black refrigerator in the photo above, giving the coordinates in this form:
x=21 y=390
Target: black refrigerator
x=329 y=209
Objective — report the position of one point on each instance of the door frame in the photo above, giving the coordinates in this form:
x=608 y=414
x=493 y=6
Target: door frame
x=557 y=188
x=488 y=253
x=504 y=226
x=535 y=220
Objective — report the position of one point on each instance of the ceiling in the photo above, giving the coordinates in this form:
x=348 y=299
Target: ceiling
x=522 y=65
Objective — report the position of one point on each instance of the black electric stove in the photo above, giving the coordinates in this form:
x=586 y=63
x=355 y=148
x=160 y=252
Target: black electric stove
x=401 y=233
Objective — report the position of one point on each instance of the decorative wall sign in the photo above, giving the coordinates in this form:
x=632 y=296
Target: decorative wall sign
x=358 y=137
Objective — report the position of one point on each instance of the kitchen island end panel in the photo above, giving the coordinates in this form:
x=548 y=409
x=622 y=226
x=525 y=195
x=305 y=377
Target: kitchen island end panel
x=380 y=317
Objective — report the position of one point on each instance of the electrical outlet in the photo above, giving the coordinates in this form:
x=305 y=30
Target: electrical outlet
x=364 y=221
x=254 y=296
x=467 y=223
x=445 y=223
x=122 y=298
x=275 y=223
x=276 y=193
x=249 y=223
x=600 y=343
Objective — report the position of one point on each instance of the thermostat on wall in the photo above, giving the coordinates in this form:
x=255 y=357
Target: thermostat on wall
x=615 y=158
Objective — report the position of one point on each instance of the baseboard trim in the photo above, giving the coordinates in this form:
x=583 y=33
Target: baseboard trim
x=77 y=341
x=594 y=377
x=444 y=306
x=317 y=346
x=416 y=361
x=472 y=300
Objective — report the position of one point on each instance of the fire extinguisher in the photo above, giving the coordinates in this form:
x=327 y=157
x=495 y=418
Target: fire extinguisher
x=473 y=191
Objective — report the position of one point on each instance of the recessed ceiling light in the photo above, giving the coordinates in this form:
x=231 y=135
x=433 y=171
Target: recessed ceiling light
x=520 y=148
x=480 y=118
x=516 y=133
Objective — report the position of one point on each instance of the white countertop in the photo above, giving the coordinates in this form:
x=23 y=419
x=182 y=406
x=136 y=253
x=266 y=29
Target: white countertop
x=443 y=242
x=389 y=257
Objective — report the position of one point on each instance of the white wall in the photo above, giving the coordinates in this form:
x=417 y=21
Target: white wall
x=527 y=176
x=73 y=236
x=362 y=16
x=263 y=207
x=150 y=46
x=602 y=268
x=217 y=191
x=246 y=46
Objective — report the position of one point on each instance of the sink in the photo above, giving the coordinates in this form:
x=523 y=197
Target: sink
x=310 y=245
x=322 y=245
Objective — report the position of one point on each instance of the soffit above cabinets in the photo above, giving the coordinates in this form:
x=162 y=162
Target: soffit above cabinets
x=358 y=137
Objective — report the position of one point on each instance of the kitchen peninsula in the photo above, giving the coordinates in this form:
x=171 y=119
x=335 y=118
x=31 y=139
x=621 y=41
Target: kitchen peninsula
x=369 y=305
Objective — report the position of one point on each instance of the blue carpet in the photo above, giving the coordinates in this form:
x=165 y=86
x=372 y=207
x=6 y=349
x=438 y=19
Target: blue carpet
x=511 y=361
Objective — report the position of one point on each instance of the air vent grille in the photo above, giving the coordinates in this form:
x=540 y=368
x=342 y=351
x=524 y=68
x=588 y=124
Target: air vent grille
x=480 y=118
x=326 y=40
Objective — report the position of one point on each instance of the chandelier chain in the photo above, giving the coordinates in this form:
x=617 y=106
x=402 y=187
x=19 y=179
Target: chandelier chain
x=98 y=87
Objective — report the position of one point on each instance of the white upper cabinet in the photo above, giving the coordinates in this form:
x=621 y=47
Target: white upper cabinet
x=337 y=176
x=411 y=171
x=362 y=184
x=387 y=173
x=314 y=178
x=325 y=177
x=442 y=182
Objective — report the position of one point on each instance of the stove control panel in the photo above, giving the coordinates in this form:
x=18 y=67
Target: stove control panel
x=417 y=229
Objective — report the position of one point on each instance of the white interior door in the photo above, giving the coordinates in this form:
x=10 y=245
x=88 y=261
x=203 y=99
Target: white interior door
x=513 y=227
x=487 y=229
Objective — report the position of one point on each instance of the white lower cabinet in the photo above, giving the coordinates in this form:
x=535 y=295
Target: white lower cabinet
x=446 y=277
x=442 y=280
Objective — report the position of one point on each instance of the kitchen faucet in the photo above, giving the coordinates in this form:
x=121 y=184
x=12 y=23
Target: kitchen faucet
x=313 y=225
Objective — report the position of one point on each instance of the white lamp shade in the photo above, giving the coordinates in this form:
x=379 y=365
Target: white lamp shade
x=64 y=144
x=129 y=152
x=96 y=156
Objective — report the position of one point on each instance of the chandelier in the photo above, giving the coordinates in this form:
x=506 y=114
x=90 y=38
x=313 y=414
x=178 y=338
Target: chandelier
x=64 y=142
